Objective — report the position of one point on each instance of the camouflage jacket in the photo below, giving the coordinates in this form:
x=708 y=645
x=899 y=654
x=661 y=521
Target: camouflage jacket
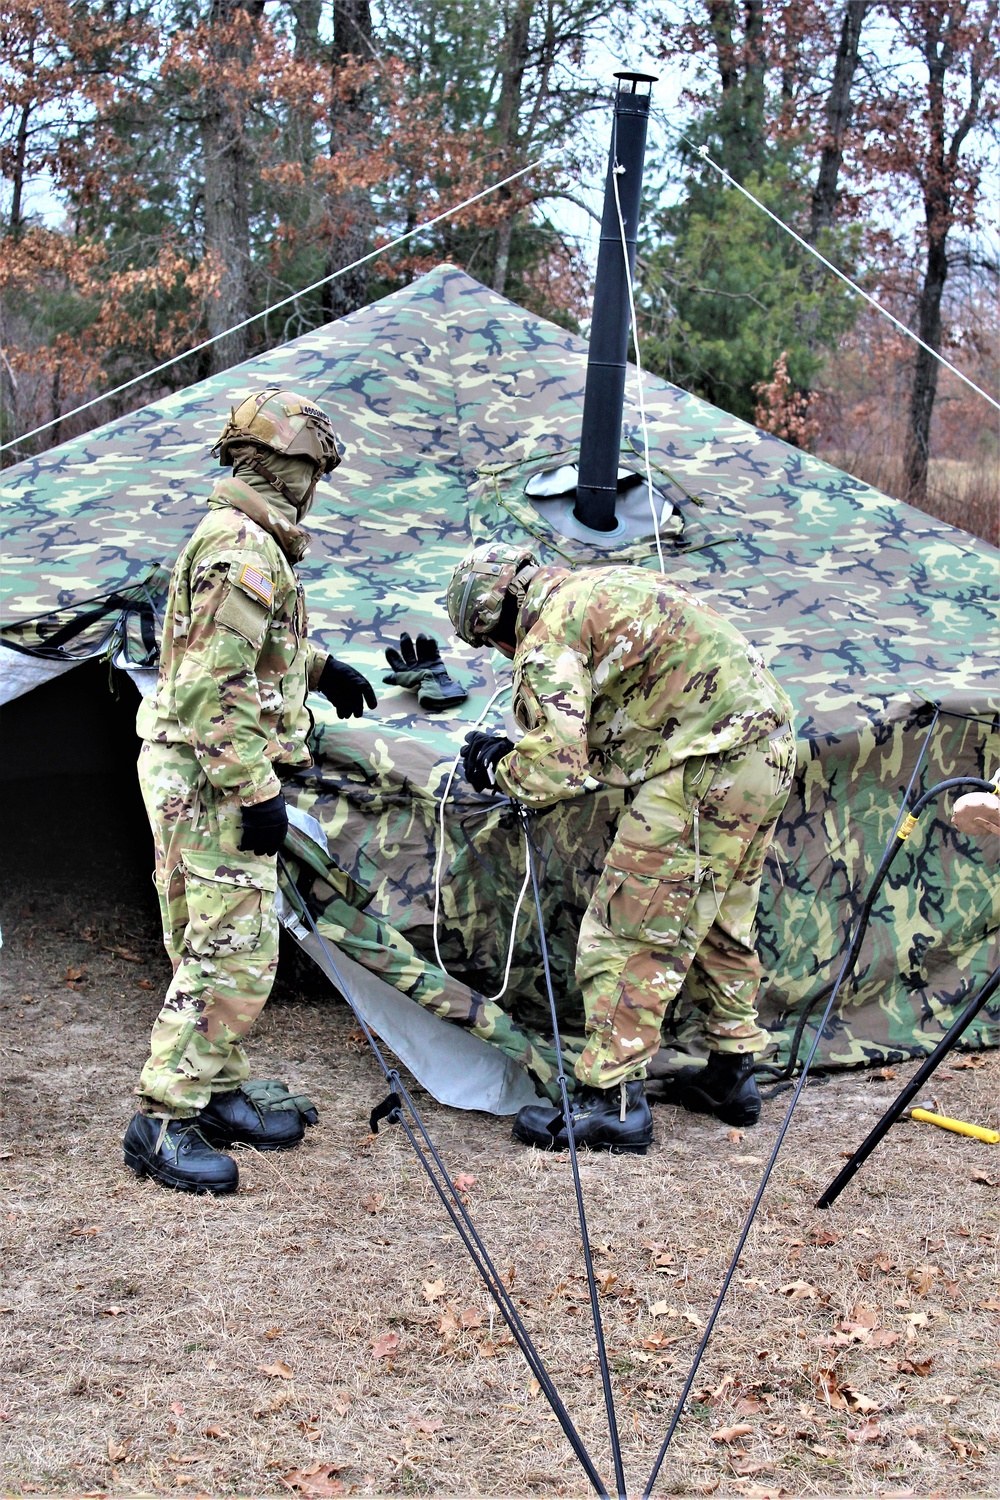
x=236 y=664
x=618 y=675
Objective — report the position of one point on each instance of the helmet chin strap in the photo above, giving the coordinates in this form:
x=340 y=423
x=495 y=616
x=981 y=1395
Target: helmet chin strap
x=257 y=464
x=256 y=461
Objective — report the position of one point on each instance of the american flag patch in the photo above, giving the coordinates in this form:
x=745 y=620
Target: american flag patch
x=256 y=582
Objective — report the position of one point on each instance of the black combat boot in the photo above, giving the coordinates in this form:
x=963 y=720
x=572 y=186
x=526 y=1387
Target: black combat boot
x=231 y=1119
x=724 y=1087
x=599 y=1121
x=176 y=1153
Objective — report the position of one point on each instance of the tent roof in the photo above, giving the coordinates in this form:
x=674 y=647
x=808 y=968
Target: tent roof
x=861 y=604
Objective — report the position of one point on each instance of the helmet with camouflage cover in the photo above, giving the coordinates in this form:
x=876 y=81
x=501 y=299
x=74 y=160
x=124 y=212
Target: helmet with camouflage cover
x=479 y=584
x=280 y=422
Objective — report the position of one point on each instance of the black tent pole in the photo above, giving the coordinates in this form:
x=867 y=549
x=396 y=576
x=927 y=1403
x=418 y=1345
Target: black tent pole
x=913 y=1088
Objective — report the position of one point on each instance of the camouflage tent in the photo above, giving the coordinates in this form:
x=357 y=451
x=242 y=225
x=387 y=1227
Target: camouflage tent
x=877 y=619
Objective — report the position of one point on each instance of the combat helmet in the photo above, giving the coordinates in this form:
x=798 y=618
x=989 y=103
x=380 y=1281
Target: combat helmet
x=480 y=582
x=280 y=422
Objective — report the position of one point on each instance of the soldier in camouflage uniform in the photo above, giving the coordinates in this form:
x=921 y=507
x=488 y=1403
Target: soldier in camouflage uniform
x=228 y=720
x=622 y=678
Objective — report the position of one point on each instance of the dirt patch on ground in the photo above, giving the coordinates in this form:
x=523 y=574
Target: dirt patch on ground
x=324 y=1328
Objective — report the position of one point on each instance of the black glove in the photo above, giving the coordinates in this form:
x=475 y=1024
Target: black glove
x=481 y=754
x=347 y=689
x=264 y=826
x=423 y=672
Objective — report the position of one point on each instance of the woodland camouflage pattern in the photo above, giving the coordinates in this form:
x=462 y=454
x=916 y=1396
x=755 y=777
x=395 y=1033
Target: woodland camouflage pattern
x=447 y=398
x=623 y=678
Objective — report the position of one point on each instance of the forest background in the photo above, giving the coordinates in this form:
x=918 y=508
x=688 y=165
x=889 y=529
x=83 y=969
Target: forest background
x=172 y=168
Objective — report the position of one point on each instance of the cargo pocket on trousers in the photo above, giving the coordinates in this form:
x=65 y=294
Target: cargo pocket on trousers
x=649 y=909
x=225 y=906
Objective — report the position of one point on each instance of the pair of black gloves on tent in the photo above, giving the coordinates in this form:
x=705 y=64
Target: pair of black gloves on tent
x=424 y=671
x=417 y=667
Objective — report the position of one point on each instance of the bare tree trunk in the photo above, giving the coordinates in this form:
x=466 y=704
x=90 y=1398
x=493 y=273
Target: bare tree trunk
x=753 y=86
x=17 y=172
x=838 y=117
x=742 y=67
x=226 y=156
x=925 y=373
x=508 y=129
x=721 y=20
x=351 y=215
x=942 y=29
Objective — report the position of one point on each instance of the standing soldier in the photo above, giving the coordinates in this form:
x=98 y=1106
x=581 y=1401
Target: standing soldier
x=622 y=678
x=227 y=722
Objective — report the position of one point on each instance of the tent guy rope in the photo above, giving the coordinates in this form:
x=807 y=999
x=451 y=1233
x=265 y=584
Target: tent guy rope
x=266 y=311
x=702 y=153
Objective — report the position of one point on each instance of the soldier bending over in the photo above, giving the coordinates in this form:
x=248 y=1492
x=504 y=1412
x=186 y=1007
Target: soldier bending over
x=622 y=678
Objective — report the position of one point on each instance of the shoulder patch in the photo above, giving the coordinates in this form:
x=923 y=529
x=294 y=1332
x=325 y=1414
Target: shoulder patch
x=257 y=583
x=243 y=614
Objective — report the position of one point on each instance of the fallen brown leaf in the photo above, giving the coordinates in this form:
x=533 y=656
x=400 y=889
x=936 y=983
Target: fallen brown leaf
x=963 y=1447
x=915 y=1366
x=730 y=1434
x=868 y=1432
x=975 y=1060
x=216 y=1432
x=829 y=1390
x=979 y=1176
x=472 y=1318
x=448 y=1326
x=81 y=1233
x=426 y=1424
x=117 y=1451
x=277 y=1371
x=318 y=1480
x=798 y=1291
x=433 y=1290
x=275 y=1403
x=371 y=1203
x=747 y=1465
x=385 y=1344
x=464 y=1181
x=178 y=1408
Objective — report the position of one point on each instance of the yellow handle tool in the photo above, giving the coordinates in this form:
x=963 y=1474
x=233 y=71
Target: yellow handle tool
x=960 y=1127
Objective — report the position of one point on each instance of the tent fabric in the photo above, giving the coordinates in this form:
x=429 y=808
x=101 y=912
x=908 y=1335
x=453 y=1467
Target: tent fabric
x=879 y=621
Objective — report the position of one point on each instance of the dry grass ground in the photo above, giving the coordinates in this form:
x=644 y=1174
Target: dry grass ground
x=154 y=1342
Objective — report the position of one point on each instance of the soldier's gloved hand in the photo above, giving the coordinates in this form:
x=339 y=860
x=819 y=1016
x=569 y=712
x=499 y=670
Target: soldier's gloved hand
x=423 y=672
x=481 y=755
x=264 y=826
x=347 y=689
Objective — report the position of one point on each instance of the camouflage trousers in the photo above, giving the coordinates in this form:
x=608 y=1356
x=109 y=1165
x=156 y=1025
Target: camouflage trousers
x=220 y=931
x=221 y=935
x=675 y=905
